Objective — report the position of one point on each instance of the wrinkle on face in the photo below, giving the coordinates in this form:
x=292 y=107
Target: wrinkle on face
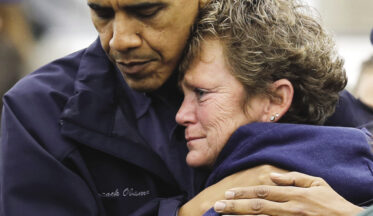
x=163 y=37
x=219 y=112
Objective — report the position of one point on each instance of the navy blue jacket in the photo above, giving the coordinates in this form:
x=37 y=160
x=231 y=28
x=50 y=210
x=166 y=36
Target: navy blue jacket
x=72 y=144
x=351 y=113
x=341 y=156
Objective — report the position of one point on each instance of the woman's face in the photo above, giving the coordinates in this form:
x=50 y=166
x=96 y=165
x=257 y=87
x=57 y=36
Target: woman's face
x=213 y=106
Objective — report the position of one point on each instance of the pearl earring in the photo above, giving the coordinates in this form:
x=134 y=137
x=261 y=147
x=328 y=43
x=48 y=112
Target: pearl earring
x=273 y=117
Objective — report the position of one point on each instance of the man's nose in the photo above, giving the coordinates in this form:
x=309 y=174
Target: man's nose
x=186 y=114
x=126 y=34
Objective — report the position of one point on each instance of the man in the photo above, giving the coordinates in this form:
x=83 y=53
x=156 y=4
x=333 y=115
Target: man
x=77 y=140
x=83 y=144
x=94 y=133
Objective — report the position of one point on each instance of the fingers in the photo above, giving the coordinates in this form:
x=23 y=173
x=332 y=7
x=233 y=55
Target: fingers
x=296 y=179
x=264 y=208
x=247 y=215
x=281 y=193
x=273 y=193
x=249 y=207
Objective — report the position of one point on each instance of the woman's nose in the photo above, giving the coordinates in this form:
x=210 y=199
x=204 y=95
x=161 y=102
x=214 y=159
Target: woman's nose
x=185 y=115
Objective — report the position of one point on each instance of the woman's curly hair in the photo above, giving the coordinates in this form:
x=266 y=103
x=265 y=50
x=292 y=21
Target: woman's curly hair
x=268 y=40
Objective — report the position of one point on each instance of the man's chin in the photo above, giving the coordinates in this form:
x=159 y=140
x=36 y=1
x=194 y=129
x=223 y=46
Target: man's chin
x=143 y=85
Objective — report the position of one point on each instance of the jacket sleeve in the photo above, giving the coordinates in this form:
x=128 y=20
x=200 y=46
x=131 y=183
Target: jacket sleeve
x=211 y=212
x=32 y=181
x=170 y=206
x=161 y=207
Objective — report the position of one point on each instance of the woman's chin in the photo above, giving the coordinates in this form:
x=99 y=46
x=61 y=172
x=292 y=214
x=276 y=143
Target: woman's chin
x=195 y=159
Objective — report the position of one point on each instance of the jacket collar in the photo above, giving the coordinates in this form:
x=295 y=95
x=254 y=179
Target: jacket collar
x=93 y=117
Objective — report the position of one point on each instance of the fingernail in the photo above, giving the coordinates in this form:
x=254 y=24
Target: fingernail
x=229 y=194
x=219 y=206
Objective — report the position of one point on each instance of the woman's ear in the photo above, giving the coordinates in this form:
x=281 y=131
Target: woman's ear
x=280 y=103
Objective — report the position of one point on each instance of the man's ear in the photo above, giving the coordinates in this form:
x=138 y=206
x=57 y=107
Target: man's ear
x=202 y=3
x=280 y=103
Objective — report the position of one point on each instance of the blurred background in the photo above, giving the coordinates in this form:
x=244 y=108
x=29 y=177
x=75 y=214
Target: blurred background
x=35 y=32
x=351 y=23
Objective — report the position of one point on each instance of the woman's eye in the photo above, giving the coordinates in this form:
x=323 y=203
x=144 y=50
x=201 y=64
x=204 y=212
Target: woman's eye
x=200 y=93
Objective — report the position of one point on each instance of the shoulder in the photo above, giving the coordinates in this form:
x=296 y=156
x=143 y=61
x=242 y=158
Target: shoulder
x=32 y=108
x=49 y=85
x=350 y=112
x=260 y=135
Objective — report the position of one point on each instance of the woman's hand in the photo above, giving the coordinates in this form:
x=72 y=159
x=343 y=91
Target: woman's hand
x=296 y=194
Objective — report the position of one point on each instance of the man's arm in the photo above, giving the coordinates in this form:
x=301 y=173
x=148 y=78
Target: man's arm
x=207 y=198
x=258 y=191
x=295 y=194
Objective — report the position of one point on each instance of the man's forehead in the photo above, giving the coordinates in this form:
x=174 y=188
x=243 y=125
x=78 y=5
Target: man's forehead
x=124 y=3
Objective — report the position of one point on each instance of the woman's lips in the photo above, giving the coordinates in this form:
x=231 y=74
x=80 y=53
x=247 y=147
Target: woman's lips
x=191 y=140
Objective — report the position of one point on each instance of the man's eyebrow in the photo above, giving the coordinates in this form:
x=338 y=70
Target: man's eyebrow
x=95 y=6
x=138 y=6
x=145 y=5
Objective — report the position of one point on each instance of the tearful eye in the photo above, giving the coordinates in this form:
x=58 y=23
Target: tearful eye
x=200 y=93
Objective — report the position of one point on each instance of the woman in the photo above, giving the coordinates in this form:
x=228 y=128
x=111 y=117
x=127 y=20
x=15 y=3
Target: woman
x=252 y=70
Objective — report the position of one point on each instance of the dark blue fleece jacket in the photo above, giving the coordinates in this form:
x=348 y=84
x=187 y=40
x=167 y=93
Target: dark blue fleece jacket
x=341 y=156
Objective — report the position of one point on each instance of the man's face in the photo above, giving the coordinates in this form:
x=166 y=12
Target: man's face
x=144 y=38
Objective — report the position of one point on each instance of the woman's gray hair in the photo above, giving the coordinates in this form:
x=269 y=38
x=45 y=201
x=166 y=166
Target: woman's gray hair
x=268 y=40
